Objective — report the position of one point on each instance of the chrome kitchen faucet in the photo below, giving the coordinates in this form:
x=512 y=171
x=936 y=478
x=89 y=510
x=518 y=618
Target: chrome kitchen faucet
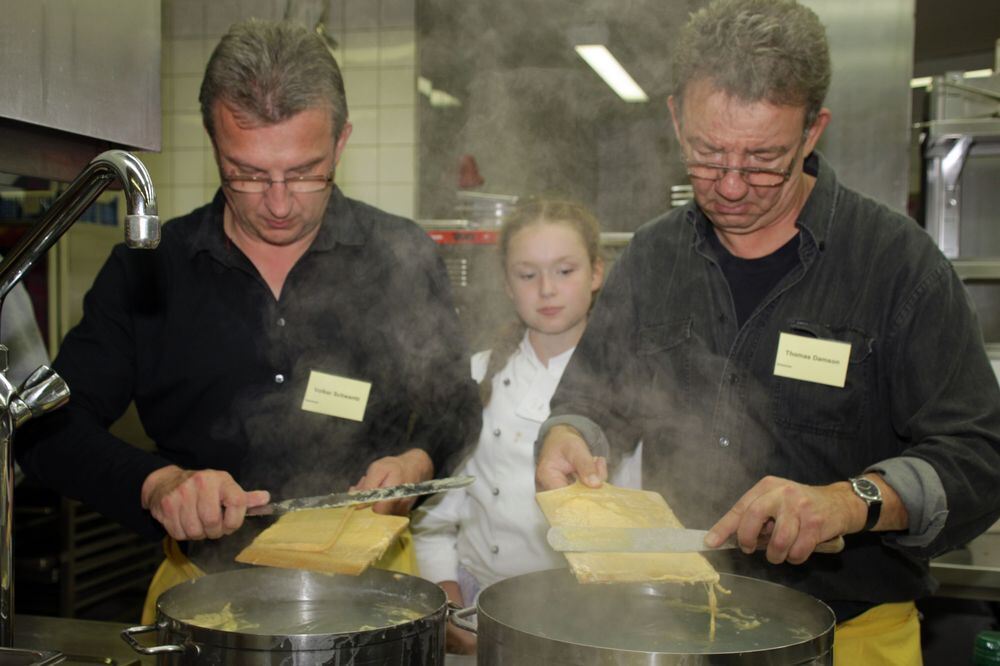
x=44 y=390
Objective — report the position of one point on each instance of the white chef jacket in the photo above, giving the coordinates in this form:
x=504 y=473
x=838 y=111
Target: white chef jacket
x=494 y=528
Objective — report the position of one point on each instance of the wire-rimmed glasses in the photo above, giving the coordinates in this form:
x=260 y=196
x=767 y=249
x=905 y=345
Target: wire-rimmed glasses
x=294 y=185
x=753 y=176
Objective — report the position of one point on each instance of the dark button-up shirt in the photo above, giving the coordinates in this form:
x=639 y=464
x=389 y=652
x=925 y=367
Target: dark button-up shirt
x=664 y=360
x=218 y=367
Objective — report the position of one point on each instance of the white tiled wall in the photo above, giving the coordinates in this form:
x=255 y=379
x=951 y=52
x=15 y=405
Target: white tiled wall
x=377 y=55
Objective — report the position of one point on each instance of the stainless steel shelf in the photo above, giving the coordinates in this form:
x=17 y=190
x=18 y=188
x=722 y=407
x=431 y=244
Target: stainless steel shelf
x=977 y=269
x=972 y=572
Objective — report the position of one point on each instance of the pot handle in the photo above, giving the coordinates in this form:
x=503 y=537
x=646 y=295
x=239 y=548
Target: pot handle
x=128 y=635
x=458 y=616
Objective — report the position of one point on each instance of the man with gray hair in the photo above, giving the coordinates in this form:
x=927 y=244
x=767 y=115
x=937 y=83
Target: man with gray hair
x=283 y=340
x=800 y=362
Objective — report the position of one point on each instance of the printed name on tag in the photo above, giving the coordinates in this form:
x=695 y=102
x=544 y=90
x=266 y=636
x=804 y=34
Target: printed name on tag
x=336 y=396
x=812 y=360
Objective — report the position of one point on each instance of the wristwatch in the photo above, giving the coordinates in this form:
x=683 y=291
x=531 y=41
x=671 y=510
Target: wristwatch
x=870 y=493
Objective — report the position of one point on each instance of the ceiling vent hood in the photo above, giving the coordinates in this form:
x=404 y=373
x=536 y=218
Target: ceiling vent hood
x=79 y=77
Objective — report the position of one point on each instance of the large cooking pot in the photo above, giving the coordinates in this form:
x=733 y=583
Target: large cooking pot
x=283 y=616
x=549 y=618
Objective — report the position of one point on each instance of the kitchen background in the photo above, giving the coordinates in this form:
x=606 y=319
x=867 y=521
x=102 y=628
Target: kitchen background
x=459 y=107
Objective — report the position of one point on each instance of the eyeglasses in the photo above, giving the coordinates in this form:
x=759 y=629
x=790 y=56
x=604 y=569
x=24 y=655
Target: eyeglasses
x=296 y=185
x=753 y=176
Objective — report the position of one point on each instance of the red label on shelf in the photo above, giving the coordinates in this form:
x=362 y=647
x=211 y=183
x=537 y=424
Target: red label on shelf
x=464 y=237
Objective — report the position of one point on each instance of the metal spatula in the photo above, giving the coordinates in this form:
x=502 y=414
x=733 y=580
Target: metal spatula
x=646 y=540
x=362 y=496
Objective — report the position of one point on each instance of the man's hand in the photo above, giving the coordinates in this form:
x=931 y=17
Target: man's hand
x=565 y=455
x=790 y=517
x=193 y=505
x=457 y=640
x=410 y=467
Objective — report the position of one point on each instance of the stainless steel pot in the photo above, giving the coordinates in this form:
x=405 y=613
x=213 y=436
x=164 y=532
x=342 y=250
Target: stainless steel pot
x=300 y=618
x=548 y=618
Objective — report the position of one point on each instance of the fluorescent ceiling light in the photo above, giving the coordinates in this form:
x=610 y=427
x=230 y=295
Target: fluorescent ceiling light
x=440 y=98
x=978 y=74
x=609 y=69
x=924 y=81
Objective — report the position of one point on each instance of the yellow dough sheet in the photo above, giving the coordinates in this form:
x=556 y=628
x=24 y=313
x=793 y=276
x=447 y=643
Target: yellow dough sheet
x=578 y=505
x=364 y=537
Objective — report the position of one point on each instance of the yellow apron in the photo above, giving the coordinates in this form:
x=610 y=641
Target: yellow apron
x=886 y=635
x=177 y=568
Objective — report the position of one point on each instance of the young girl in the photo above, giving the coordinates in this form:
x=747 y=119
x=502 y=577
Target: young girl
x=466 y=540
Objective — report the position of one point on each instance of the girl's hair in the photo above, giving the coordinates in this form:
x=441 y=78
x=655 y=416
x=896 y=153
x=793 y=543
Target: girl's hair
x=529 y=213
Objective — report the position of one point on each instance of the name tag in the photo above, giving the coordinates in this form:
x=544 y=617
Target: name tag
x=812 y=360
x=336 y=396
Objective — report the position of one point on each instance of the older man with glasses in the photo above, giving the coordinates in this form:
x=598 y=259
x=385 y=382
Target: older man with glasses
x=283 y=341
x=800 y=362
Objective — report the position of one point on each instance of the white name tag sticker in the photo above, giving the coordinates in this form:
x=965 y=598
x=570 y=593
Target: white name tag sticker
x=336 y=396
x=812 y=360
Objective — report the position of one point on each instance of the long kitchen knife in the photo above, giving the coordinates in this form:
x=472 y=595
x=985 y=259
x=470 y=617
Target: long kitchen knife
x=646 y=540
x=361 y=496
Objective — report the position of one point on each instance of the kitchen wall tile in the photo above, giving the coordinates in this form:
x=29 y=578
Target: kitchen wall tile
x=335 y=18
x=361 y=14
x=158 y=165
x=398 y=14
x=269 y=10
x=396 y=164
x=211 y=169
x=164 y=200
x=360 y=48
x=359 y=164
x=397 y=124
x=367 y=192
x=219 y=15
x=365 y=122
x=184 y=93
x=397 y=47
x=185 y=199
x=397 y=86
x=186 y=130
x=361 y=86
x=186 y=56
x=397 y=199
x=188 y=168
x=183 y=18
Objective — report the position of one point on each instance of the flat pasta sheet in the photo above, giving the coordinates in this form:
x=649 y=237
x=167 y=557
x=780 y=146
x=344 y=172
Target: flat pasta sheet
x=578 y=505
x=361 y=536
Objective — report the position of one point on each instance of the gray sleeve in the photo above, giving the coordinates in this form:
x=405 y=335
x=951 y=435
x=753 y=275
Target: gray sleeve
x=590 y=431
x=919 y=487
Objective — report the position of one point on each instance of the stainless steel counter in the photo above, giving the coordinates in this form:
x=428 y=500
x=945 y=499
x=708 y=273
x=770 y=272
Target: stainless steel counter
x=82 y=641
x=972 y=572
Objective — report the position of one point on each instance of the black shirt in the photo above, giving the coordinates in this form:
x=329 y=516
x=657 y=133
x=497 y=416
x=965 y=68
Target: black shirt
x=664 y=361
x=218 y=367
x=750 y=280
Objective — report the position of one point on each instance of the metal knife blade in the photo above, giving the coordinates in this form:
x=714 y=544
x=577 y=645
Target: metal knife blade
x=362 y=496
x=648 y=540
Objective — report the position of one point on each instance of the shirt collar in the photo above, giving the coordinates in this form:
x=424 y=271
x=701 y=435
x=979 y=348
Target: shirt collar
x=556 y=364
x=339 y=226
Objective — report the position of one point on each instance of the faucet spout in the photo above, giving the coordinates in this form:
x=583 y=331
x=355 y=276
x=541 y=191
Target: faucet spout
x=45 y=390
x=142 y=225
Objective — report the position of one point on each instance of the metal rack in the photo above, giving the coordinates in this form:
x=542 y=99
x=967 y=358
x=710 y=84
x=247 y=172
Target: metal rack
x=78 y=563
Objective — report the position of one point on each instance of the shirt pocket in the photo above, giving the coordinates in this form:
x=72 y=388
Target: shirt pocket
x=665 y=354
x=828 y=411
